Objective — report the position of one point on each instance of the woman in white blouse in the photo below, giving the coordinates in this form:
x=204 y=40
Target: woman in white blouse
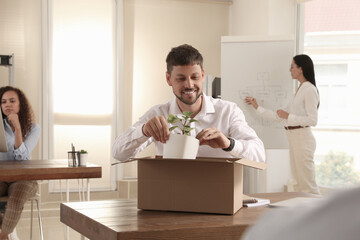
x=300 y=114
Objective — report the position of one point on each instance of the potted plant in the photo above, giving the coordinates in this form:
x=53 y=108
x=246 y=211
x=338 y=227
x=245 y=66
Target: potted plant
x=181 y=145
x=83 y=157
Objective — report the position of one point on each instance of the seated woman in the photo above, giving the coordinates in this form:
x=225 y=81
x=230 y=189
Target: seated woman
x=22 y=135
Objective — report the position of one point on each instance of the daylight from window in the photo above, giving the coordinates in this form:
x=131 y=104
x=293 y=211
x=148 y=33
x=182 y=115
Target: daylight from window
x=82 y=81
x=332 y=39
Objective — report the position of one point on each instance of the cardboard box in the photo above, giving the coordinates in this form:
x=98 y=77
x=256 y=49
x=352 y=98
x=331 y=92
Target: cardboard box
x=207 y=185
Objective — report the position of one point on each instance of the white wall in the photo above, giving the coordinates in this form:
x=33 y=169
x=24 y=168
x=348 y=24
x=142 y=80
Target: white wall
x=262 y=17
x=20 y=22
x=152 y=28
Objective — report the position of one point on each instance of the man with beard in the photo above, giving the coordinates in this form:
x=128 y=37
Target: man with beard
x=223 y=131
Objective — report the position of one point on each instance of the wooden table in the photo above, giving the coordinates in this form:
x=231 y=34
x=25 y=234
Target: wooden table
x=45 y=170
x=120 y=219
x=48 y=170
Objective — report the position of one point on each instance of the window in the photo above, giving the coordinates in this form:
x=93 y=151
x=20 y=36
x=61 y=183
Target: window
x=83 y=80
x=332 y=39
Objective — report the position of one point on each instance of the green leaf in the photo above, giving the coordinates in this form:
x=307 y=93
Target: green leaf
x=173 y=119
x=187 y=129
x=185 y=118
x=185 y=121
x=187 y=114
x=194 y=120
x=172 y=128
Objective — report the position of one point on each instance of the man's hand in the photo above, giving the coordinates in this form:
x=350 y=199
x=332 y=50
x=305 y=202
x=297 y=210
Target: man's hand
x=157 y=127
x=213 y=137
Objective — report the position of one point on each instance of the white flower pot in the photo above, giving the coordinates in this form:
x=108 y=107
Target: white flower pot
x=181 y=146
x=83 y=159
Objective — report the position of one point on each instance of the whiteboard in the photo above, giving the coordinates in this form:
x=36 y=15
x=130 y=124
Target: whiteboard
x=259 y=67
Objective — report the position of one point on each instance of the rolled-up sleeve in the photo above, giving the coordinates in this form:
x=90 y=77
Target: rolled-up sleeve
x=130 y=143
x=269 y=114
x=133 y=140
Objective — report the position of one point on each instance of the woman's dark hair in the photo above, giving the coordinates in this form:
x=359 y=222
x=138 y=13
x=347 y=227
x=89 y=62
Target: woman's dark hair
x=307 y=66
x=183 y=55
x=26 y=115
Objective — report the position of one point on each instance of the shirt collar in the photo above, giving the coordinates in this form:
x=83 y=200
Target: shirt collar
x=206 y=107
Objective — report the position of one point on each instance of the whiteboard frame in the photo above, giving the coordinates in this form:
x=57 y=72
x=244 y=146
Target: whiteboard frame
x=279 y=138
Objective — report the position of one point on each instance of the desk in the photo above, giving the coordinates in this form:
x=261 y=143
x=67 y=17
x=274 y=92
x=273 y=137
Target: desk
x=45 y=170
x=120 y=219
x=48 y=170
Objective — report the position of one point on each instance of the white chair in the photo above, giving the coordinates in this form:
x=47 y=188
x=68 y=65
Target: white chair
x=36 y=198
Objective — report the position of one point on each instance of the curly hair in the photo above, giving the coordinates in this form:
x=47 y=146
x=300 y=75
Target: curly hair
x=26 y=114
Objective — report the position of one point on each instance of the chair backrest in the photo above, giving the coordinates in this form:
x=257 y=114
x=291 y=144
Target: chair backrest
x=3 y=201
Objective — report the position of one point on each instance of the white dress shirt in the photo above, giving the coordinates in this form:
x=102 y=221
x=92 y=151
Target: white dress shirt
x=223 y=115
x=24 y=150
x=302 y=108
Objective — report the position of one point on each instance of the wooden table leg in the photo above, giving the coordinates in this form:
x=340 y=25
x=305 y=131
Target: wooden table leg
x=67 y=237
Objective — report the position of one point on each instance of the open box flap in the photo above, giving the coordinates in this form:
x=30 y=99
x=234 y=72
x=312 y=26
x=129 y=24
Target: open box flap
x=253 y=164
x=242 y=161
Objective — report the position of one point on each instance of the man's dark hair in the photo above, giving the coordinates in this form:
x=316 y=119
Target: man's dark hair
x=183 y=55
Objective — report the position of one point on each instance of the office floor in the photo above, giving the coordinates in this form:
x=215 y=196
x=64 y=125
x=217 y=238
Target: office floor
x=52 y=227
x=53 y=230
